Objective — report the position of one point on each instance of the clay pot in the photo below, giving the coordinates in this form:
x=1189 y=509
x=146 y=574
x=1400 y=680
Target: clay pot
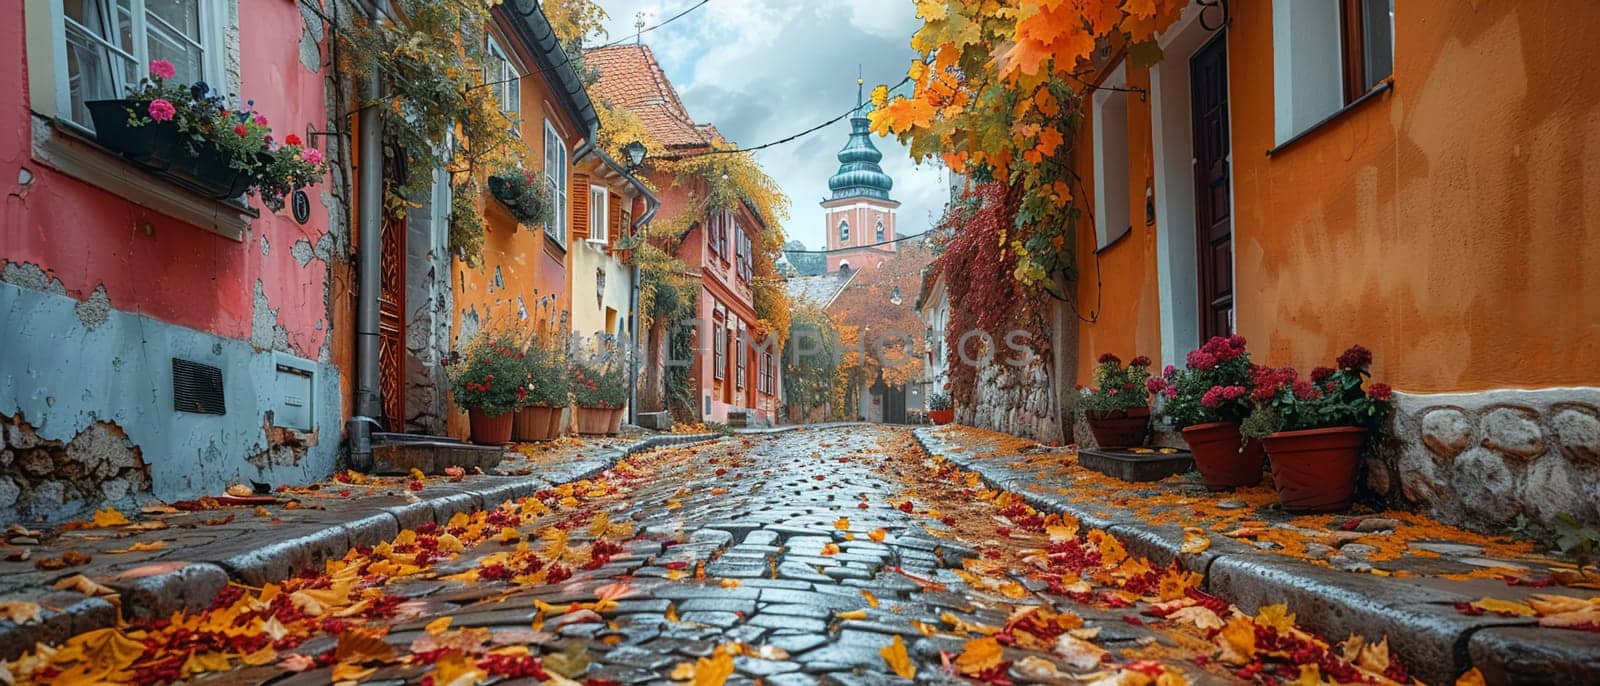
x=599 y=421
x=1119 y=428
x=1224 y=459
x=533 y=423
x=487 y=430
x=941 y=417
x=1315 y=469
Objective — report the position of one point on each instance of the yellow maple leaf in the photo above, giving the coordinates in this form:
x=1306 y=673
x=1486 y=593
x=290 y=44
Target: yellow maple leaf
x=1194 y=541
x=830 y=549
x=877 y=535
x=979 y=655
x=1472 y=677
x=439 y=625
x=1276 y=617
x=1310 y=675
x=842 y=523
x=898 y=660
x=713 y=671
x=1504 y=607
x=1238 y=641
x=853 y=614
x=109 y=517
x=140 y=547
x=1201 y=617
x=457 y=669
x=729 y=583
x=871 y=599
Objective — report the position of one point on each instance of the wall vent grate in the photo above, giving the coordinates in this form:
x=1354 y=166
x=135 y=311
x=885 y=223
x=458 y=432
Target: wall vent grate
x=197 y=388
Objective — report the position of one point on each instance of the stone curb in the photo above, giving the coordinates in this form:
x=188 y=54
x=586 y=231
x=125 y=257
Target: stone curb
x=1418 y=618
x=193 y=583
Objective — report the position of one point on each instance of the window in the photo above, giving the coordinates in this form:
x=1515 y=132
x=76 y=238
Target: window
x=555 y=183
x=880 y=231
x=598 y=215
x=714 y=234
x=1111 y=159
x=1326 y=55
x=741 y=244
x=844 y=231
x=1366 y=37
x=740 y=354
x=504 y=80
x=109 y=44
x=719 y=345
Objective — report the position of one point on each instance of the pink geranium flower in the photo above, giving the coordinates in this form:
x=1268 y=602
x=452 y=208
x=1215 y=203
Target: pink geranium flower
x=161 y=110
x=311 y=155
x=162 y=69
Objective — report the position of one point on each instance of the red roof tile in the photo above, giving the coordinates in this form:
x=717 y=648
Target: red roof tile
x=631 y=78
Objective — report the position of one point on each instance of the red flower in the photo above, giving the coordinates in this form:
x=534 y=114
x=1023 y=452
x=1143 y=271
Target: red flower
x=1379 y=391
x=1109 y=358
x=1356 y=357
x=1200 y=359
x=291 y=139
x=241 y=130
x=1212 y=398
x=1236 y=341
x=1320 y=374
x=1305 y=391
x=1155 y=384
x=1140 y=361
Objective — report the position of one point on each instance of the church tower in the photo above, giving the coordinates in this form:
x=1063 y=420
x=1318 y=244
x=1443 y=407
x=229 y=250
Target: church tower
x=860 y=215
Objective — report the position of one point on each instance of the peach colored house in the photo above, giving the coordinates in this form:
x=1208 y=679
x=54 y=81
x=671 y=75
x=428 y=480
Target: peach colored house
x=1409 y=176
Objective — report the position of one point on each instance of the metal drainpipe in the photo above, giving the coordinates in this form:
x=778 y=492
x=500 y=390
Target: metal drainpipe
x=369 y=203
x=654 y=204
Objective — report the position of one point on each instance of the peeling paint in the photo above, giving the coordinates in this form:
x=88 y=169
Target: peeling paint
x=30 y=275
x=302 y=252
x=54 y=480
x=96 y=309
x=265 y=331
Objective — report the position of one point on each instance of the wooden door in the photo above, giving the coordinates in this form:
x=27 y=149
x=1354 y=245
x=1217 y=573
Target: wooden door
x=391 y=309
x=1208 y=79
x=894 y=405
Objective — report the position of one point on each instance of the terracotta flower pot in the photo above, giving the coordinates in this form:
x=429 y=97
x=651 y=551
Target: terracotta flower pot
x=941 y=417
x=487 y=430
x=533 y=423
x=1119 y=428
x=598 y=421
x=1315 y=469
x=1224 y=459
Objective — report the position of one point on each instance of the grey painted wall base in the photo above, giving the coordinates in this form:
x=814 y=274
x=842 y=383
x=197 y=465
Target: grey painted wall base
x=65 y=374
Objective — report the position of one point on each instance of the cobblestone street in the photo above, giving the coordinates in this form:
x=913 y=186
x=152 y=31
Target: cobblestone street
x=801 y=556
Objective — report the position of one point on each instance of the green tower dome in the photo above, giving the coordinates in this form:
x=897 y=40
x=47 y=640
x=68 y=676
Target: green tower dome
x=859 y=174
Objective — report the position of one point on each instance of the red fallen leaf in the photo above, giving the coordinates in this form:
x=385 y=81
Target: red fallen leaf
x=1351 y=524
x=861 y=505
x=416 y=485
x=1468 y=608
x=455 y=473
x=906 y=507
x=819 y=477
x=721 y=471
x=1133 y=620
x=344 y=493
x=678 y=564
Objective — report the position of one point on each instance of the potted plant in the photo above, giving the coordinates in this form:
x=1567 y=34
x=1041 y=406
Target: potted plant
x=522 y=192
x=190 y=134
x=940 y=409
x=545 y=382
x=1314 y=428
x=600 y=392
x=487 y=383
x=1207 y=400
x=1118 y=415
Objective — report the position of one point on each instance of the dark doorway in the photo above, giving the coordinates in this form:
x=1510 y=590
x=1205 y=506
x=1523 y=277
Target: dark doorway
x=894 y=404
x=1208 y=78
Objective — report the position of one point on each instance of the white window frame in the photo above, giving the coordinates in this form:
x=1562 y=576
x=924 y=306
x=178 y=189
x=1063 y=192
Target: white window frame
x=599 y=215
x=879 y=235
x=556 y=182
x=48 y=78
x=1307 y=65
x=844 y=230
x=506 y=92
x=1111 y=185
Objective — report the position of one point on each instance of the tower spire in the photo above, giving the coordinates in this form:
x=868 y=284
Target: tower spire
x=859 y=82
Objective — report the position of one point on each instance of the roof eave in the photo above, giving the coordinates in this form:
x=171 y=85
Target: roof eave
x=534 y=29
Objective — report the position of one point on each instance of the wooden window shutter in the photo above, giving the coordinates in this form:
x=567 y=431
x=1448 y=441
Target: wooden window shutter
x=614 y=206
x=580 y=206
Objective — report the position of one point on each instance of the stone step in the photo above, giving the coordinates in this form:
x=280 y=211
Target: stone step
x=401 y=453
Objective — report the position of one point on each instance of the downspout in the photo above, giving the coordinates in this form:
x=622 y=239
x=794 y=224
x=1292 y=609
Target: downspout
x=652 y=203
x=369 y=204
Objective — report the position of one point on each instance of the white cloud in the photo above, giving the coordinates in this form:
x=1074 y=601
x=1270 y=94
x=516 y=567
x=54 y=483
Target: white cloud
x=762 y=70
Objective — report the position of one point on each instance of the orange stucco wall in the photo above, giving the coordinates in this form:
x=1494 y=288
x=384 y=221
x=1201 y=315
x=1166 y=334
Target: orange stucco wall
x=1117 y=289
x=1443 y=224
x=1446 y=224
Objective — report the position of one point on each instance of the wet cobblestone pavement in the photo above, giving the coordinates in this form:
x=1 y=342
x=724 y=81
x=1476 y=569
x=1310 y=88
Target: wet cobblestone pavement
x=838 y=556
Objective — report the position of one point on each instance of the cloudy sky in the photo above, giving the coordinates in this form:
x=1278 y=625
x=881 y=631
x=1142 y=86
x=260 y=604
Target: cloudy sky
x=762 y=70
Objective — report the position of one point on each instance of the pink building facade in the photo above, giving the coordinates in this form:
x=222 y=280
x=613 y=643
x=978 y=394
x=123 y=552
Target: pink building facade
x=155 y=341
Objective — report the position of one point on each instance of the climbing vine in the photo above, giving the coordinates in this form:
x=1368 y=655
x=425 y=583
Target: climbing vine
x=997 y=93
x=975 y=263
x=809 y=370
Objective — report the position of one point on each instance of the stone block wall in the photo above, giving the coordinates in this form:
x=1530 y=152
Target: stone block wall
x=1014 y=400
x=1481 y=459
